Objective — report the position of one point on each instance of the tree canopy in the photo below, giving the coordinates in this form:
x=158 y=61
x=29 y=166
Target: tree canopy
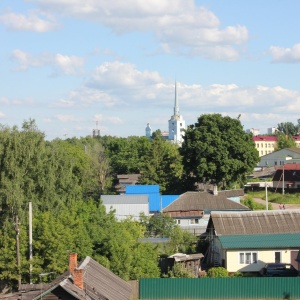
x=288 y=128
x=285 y=141
x=217 y=149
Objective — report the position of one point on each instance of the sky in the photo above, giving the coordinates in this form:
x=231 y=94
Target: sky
x=78 y=65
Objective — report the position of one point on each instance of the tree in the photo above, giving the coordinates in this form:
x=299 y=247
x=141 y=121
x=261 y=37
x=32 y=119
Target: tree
x=288 y=128
x=216 y=148
x=163 y=166
x=285 y=141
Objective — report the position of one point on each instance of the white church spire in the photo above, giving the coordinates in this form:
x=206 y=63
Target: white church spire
x=176 y=123
x=176 y=106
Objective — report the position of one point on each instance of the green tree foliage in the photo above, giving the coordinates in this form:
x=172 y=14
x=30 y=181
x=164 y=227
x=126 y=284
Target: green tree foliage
x=288 y=128
x=217 y=272
x=217 y=148
x=158 y=225
x=163 y=166
x=285 y=141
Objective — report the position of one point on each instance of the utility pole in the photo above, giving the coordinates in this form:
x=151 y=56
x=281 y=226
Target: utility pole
x=267 y=204
x=17 y=229
x=283 y=179
x=30 y=241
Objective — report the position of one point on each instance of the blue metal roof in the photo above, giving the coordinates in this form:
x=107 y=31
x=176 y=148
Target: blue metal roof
x=142 y=189
x=157 y=202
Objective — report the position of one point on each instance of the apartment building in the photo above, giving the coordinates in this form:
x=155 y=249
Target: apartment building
x=266 y=144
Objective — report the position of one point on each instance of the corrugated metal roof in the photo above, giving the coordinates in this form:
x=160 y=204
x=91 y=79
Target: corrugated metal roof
x=142 y=189
x=124 y=199
x=255 y=222
x=258 y=241
x=207 y=201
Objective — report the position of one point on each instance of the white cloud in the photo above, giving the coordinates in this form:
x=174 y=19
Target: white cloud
x=70 y=65
x=181 y=27
x=68 y=118
x=35 y=21
x=109 y=119
x=2 y=115
x=285 y=55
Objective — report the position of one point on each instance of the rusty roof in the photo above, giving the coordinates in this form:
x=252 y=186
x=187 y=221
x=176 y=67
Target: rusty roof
x=196 y=201
x=255 y=222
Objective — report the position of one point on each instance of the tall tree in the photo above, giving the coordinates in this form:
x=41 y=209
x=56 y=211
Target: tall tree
x=288 y=128
x=163 y=166
x=216 y=148
x=284 y=141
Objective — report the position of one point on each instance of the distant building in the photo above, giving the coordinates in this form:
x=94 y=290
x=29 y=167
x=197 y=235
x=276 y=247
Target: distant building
x=176 y=125
x=272 y=130
x=265 y=144
x=254 y=131
x=148 y=131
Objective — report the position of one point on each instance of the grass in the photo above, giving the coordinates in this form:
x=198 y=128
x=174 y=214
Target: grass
x=276 y=197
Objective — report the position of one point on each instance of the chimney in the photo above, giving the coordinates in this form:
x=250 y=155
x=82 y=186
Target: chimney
x=78 y=278
x=72 y=262
x=215 y=190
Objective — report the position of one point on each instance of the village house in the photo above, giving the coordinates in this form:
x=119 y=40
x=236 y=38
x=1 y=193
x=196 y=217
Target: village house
x=246 y=241
x=192 y=209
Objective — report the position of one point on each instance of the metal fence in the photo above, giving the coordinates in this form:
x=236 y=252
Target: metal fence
x=219 y=288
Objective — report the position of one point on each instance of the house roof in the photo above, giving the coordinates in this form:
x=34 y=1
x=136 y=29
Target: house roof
x=197 y=201
x=259 y=241
x=99 y=283
x=291 y=173
x=255 y=222
x=266 y=138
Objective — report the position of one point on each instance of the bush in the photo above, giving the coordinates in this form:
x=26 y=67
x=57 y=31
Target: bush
x=217 y=272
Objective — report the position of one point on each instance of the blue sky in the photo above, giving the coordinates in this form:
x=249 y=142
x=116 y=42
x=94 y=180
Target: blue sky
x=71 y=65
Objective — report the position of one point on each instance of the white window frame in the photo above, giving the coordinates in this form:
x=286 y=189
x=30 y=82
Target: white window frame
x=248 y=257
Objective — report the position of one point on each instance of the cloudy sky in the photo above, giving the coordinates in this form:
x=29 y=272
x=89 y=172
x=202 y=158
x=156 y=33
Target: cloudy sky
x=73 y=65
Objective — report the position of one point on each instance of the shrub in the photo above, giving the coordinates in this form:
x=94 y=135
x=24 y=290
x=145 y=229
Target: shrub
x=217 y=272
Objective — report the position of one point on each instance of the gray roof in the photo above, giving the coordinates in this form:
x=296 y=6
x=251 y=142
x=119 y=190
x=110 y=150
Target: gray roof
x=255 y=222
x=124 y=199
x=199 y=201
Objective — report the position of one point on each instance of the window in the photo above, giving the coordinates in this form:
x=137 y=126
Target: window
x=257 y=145
x=194 y=221
x=247 y=258
x=177 y=221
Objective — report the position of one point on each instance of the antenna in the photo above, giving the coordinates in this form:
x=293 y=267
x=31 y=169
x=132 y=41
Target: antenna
x=96 y=132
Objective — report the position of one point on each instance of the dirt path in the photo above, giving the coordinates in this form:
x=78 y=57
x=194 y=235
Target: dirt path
x=275 y=206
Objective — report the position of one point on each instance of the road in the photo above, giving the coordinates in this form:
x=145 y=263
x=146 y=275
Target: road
x=275 y=206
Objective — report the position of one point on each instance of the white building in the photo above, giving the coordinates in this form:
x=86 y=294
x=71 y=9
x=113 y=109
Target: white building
x=126 y=206
x=280 y=157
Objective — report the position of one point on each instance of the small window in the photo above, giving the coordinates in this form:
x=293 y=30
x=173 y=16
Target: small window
x=247 y=258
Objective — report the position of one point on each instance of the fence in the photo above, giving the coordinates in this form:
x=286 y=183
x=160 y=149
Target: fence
x=220 y=288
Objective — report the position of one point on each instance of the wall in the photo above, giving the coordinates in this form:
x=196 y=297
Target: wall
x=263 y=257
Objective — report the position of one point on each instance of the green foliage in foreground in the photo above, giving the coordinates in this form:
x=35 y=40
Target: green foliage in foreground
x=217 y=272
